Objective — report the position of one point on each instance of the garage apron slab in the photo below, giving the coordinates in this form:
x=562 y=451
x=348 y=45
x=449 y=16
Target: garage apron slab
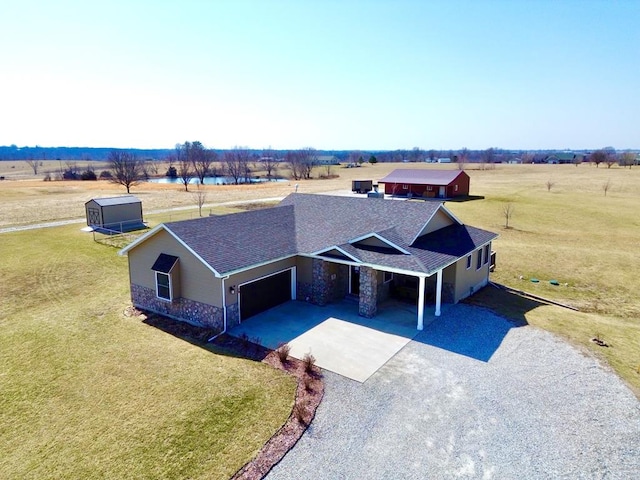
x=340 y=340
x=351 y=350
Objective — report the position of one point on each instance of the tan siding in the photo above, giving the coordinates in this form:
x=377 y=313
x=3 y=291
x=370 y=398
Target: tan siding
x=468 y=279
x=197 y=282
x=439 y=220
x=305 y=269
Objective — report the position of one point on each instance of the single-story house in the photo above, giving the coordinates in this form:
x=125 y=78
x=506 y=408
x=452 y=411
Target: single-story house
x=121 y=214
x=217 y=271
x=427 y=183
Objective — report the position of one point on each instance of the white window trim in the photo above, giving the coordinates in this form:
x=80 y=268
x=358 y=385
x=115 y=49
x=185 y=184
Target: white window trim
x=487 y=254
x=170 y=287
x=479 y=261
x=384 y=274
x=469 y=261
x=405 y=186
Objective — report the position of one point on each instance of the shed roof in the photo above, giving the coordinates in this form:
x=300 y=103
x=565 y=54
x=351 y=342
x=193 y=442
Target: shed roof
x=121 y=200
x=421 y=176
x=304 y=224
x=164 y=263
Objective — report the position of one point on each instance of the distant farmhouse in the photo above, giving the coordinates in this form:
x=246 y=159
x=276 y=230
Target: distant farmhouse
x=115 y=214
x=426 y=183
x=565 y=157
x=218 y=271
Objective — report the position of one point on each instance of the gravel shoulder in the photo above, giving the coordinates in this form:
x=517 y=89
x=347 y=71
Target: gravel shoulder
x=538 y=408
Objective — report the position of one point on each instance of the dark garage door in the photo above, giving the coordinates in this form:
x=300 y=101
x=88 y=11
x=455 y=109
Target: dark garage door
x=258 y=296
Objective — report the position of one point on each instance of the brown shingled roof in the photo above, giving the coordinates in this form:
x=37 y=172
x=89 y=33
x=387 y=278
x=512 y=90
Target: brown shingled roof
x=306 y=224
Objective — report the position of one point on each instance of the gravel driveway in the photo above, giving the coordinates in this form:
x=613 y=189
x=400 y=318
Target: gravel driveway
x=538 y=408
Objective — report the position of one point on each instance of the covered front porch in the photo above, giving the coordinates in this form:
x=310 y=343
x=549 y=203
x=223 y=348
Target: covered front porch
x=335 y=280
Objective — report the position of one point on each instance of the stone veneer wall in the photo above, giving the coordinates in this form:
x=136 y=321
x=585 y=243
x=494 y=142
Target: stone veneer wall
x=321 y=286
x=233 y=315
x=330 y=283
x=368 y=305
x=196 y=313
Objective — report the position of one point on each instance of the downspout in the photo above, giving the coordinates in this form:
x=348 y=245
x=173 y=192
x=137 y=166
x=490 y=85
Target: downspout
x=224 y=311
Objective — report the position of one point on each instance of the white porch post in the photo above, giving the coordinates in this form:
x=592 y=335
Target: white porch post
x=421 y=303
x=438 y=292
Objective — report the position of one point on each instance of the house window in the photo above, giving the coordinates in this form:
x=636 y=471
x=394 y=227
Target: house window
x=455 y=188
x=163 y=286
x=405 y=187
x=486 y=254
x=479 y=263
x=429 y=188
x=468 y=261
x=387 y=277
x=165 y=267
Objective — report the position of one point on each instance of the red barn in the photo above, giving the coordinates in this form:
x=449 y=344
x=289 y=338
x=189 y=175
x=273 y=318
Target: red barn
x=427 y=183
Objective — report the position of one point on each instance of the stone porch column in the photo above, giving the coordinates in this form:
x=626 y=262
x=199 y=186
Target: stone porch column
x=368 y=304
x=321 y=284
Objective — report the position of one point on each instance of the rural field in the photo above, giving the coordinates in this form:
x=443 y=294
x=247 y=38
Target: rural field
x=88 y=392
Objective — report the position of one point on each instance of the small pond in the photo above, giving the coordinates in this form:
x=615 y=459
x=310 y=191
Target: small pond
x=216 y=180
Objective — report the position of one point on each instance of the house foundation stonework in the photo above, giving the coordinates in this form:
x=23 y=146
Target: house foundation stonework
x=233 y=315
x=193 y=312
x=368 y=304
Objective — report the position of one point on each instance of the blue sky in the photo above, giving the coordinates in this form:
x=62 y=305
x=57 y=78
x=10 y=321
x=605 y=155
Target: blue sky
x=326 y=74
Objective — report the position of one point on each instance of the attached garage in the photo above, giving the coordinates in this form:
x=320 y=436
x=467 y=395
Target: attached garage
x=265 y=293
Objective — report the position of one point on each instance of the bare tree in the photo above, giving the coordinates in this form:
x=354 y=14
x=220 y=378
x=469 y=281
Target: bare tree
x=462 y=158
x=527 y=158
x=301 y=162
x=269 y=161
x=200 y=196
x=185 y=174
x=237 y=164
x=327 y=167
x=627 y=159
x=126 y=169
x=182 y=168
x=200 y=159
x=507 y=212
x=550 y=184
x=293 y=160
x=606 y=186
x=598 y=157
x=309 y=159
x=34 y=164
x=610 y=160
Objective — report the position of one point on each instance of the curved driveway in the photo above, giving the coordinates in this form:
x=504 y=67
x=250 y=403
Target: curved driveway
x=472 y=396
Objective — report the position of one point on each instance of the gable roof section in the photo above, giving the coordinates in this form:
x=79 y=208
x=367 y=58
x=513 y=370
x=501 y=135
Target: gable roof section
x=445 y=246
x=420 y=176
x=233 y=242
x=109 y=201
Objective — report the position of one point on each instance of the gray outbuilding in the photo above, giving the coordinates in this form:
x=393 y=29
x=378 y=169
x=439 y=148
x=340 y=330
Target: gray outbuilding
x=121 y=214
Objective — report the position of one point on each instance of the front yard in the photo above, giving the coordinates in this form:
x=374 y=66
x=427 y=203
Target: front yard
x=87 y=392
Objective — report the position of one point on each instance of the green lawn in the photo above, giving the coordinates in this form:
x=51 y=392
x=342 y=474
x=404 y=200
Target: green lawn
x=86 y=392
x=576 y=235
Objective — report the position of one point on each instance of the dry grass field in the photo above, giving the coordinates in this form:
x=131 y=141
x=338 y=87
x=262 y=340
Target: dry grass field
x=57 y=282
x=88 y=392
